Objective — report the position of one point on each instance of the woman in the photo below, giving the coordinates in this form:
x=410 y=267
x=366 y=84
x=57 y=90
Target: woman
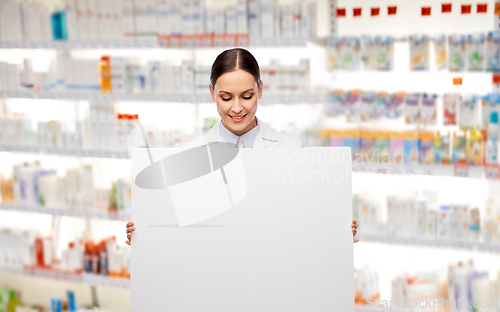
x=235 y=86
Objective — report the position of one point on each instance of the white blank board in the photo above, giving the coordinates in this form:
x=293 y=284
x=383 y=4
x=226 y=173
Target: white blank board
x=286 y=246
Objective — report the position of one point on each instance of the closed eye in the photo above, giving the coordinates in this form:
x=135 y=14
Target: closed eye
x=226 y=99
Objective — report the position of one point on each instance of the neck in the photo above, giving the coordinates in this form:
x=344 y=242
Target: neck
x=249 y=127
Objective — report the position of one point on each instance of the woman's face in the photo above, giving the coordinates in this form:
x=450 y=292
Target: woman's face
x=236 y=94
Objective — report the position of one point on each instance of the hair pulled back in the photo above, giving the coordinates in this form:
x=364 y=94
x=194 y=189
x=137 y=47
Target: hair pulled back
x=231 y=60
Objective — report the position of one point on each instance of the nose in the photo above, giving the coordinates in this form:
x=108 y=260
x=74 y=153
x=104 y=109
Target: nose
x=237 y=107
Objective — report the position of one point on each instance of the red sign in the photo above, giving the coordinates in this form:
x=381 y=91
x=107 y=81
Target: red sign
x=340 y=12
x=466 y=8
x=356 y=12
x=375 y=11
x=426 y=11
x=392 y=10
x=446 y=8
x=496 y=78
x=482 y=8
x=457 y=81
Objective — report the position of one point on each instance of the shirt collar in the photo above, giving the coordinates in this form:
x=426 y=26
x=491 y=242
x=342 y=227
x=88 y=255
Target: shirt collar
x=246 y=139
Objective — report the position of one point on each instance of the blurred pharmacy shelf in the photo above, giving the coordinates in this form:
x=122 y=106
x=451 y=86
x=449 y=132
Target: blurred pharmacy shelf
x=71 y=212
x=83 y=278
x=430 y=242
x=143 y=44
x=431 y=170
x=65 y=152
x=291 y=98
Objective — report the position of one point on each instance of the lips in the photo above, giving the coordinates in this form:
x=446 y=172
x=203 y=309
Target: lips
x=238 y=118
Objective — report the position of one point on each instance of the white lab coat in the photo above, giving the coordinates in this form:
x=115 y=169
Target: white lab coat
x=267 y=137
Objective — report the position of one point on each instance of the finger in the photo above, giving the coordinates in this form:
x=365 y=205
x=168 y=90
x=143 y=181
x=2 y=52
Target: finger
x=129 y=236
x=129 y=224
x=354 y=221
x=131 y=229
x=355 y=226
x=127 y=242
x=355 y=240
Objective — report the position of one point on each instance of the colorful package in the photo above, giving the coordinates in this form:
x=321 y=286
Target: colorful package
x=459 y=148
x=385 y=52
x=333 y=53
x=442 y=149
x=368 y=53
x=475 y=148
x=428 y=109
x=336 y=138
x=450 y=105
x=394 y=105
x=396 y=147
x=493 y=51
x=350 y=103
x=426 y=148
x=440 y=51
x=412 y=108
x=475 y=52
x=382 y=146
x=324 y=136
x=367 y=106
x=468 y=112
x=351 y=53
x=367 y=146
x=411 y=148
x=334 y=108
x=457 y=52
x=380 y=100
x=490 y=103
x=352 y=140
x=419 y=52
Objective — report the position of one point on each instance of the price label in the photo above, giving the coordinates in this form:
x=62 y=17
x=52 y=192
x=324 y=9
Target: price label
x=492 y=171
x=461 y=170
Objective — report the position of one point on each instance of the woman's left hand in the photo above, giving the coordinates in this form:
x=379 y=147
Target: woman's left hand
x=354 y=227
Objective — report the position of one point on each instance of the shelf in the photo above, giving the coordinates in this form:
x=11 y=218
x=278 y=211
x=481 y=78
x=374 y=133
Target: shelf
x=267 y=98
x=80 y=213
x=428 y=170
x=97 y=44
x=85 y=278
x=65 y=152
x=139 y=43
x=431 y=170
x=430 y=242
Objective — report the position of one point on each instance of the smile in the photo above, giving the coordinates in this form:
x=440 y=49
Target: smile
x=237 y=118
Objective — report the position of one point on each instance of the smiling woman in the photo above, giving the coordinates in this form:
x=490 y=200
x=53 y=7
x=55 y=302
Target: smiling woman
x=236 y=87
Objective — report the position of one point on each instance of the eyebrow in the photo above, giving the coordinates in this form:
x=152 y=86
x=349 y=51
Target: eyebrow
x=221 y=91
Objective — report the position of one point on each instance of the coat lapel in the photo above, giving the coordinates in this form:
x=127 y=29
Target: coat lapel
x=266 y=136
x=213 y=135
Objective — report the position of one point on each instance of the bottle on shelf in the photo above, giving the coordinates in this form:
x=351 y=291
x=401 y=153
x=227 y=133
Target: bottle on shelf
x=105 y=74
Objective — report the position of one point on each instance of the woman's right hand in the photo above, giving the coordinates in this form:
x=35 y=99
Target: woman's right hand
x=130 y=229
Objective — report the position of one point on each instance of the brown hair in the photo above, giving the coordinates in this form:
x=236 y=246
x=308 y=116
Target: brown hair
x=231 y=60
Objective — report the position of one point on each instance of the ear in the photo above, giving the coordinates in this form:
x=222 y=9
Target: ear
x=261 y=87
x=211 y=92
